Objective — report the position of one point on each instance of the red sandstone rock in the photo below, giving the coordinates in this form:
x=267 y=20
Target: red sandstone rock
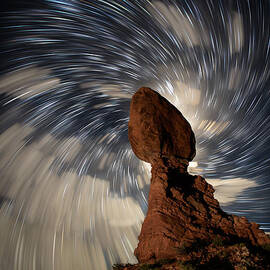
x=156 y=128
x=182 y=209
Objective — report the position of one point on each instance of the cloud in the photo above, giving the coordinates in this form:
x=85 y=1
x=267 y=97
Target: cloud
x=110 y=90
x=185 y=28
x=236 y=33
x=234 y=78
x=213 y=127
x=227 y=191
x=64 y=221
x=27 y=82
x=187 y=95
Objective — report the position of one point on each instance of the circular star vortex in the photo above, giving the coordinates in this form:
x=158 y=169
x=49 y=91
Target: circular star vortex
x=72 y=193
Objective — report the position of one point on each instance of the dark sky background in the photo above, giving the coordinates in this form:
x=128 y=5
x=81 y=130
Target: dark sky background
x=68 y=71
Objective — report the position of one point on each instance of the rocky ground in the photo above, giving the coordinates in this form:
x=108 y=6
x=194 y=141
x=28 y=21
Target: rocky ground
x=214 y=255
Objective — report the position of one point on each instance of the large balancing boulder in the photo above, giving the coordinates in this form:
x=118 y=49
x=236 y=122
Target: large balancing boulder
x=158 y=130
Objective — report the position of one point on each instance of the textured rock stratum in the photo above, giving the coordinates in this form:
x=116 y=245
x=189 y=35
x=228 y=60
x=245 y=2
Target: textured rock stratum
x=184 y=222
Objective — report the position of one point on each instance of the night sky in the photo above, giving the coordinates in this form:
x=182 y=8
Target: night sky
x=72 y=193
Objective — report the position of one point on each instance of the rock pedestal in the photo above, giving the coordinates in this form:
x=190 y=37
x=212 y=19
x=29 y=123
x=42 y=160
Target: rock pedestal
x=182 y=211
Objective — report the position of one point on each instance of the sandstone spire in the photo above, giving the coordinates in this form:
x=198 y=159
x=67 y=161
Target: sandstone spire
x=182 y=209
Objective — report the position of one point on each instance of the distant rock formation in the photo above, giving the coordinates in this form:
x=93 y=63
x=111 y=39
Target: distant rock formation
x=182 y=210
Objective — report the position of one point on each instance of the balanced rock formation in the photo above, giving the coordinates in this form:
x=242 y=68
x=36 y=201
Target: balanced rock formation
x=182 y=210
x=157 y=130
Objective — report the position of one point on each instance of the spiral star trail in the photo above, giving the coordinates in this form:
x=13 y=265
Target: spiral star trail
x=72 y=193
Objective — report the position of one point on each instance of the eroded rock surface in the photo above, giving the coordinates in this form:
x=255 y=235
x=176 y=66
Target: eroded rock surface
x=182 y=210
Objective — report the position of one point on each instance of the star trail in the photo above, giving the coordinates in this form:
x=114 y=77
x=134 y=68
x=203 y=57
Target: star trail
x=72 y=193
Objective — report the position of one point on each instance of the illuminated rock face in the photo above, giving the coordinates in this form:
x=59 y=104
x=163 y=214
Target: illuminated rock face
x=158 y=130
x=182 y=209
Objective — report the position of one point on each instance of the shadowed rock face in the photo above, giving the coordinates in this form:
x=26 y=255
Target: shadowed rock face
x=181 y=207
x=158 y=130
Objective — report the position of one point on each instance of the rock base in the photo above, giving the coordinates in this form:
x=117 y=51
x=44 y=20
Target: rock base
x=182 y=212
